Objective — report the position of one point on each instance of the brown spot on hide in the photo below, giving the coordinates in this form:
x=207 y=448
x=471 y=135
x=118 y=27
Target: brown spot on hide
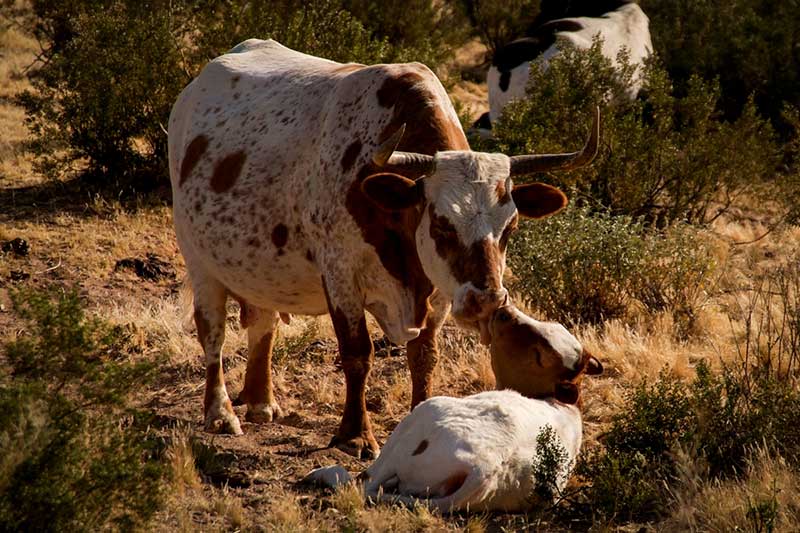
x=280 y=235
x=227 y=171
x=428 y=128
x=253 y=242
x=309 y=256
x=394 y=87
x=194 y=152
x=479 y=263
x=392 y=236
x=350 y=155
x=420 y=448
x=234 y=80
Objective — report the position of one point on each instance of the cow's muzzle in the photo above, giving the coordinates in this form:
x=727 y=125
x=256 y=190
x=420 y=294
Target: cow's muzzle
x=473 y=308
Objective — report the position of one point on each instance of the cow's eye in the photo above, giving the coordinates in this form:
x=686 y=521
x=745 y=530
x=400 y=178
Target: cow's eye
x=503 y=316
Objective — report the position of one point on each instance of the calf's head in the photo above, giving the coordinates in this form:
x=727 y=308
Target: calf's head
x=538 y=359
x=468 y=206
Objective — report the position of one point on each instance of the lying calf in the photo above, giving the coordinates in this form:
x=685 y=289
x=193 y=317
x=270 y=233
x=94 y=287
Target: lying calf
x=478 y=452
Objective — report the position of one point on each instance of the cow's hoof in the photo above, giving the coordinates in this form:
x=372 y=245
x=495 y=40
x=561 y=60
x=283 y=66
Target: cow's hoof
x=361 y=447
x=224 y=422
x=263 y=413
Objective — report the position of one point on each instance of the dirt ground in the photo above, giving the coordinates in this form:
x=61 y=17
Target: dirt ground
x=252 y=482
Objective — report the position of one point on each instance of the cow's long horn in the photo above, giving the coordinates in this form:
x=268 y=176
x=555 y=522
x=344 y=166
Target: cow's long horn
x=529 y=164
x=388 y=146
x=412 y=163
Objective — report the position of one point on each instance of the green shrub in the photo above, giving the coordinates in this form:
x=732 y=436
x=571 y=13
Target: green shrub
x=498 y=22
x=584 y=266
x=111 y=70
x=634 y=476
x=666 y=158
x=76 y=455
x=103 y=94
x=749 y=45
x=419 y=30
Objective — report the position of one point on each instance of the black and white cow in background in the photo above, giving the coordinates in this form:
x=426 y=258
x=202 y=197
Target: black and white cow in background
x=619 y=23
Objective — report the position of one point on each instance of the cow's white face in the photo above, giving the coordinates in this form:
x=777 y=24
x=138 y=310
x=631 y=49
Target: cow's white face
x=469 y=210
x=461 y=240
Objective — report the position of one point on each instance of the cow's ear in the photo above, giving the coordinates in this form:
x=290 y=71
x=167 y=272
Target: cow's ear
x=567 y=392
x=392 y=192
x=538 y=200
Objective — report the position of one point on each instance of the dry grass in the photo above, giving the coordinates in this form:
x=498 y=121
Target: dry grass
x=765 y=499
x=17 y=52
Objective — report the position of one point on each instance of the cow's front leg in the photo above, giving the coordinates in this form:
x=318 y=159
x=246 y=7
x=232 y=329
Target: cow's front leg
x=355 y=350
x=257 y=392
x=209 y=317
x=423 y=352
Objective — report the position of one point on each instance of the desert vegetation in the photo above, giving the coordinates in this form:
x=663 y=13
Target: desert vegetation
x=676 y=263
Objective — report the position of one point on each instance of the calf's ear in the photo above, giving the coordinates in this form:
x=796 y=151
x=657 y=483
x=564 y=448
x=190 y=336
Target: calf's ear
x=593 y=366
x=538 y=200
x=567 y=392
x=392 y=192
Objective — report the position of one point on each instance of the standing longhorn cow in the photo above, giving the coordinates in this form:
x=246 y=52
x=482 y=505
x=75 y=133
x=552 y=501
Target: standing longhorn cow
x=305 y=186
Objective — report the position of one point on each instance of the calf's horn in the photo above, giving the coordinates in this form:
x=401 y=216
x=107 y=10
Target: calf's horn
x=529 y=164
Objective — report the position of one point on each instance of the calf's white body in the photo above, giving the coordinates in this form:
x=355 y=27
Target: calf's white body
x=474 y=453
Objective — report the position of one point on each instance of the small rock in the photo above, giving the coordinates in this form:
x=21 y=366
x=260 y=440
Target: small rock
x=19 y=275
x=386 y=348
x=17 y=246
x=151 y=268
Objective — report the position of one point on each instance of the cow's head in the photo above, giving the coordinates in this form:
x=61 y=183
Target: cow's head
x=538 y=359
x=469 y=208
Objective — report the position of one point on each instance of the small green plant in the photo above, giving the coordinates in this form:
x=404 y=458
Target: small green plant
x=76 y=454
x=293 y=347
x=551 y=465
x=762 y=514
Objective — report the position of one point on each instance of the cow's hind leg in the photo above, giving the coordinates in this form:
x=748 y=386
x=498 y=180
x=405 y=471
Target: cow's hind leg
x=355 y=349
x=209 y=316
x=257 y=393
